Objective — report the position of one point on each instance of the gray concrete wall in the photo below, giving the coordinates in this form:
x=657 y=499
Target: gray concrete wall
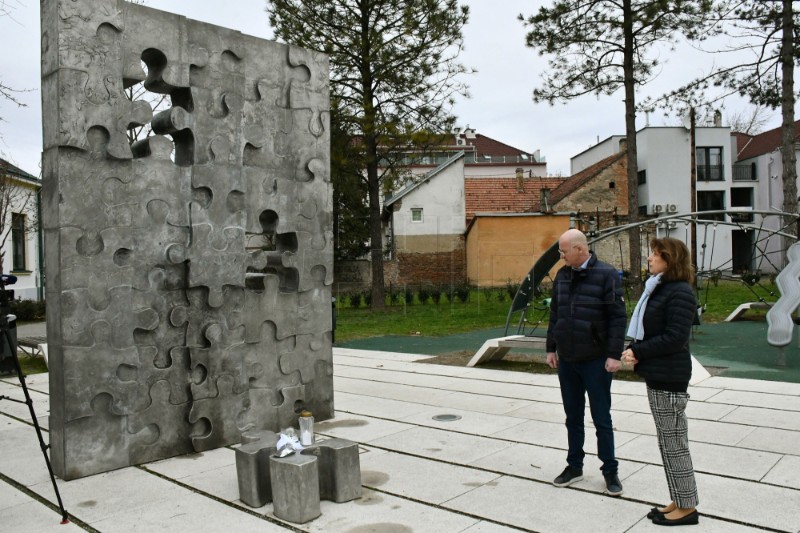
x=158 y=346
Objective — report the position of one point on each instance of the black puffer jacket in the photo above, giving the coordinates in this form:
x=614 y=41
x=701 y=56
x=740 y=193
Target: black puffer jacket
x=587 y=313
x=663 y=354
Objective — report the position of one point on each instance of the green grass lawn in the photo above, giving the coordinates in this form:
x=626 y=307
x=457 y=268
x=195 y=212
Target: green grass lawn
x=489 y=309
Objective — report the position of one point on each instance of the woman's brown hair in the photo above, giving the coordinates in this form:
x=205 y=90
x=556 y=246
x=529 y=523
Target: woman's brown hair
x=675 y=253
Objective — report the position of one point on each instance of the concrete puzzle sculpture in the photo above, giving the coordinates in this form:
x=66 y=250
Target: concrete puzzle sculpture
x=188 y=274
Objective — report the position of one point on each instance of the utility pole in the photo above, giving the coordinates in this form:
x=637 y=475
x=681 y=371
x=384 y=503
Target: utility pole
x=693 y=187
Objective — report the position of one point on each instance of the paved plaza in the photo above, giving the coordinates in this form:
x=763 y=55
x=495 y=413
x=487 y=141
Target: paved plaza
x=486 y=472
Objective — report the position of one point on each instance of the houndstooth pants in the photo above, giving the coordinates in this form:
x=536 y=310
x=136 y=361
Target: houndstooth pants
x=668 y=410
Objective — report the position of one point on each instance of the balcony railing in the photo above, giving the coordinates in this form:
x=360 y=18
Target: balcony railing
x=744 y=173
x=710 y=173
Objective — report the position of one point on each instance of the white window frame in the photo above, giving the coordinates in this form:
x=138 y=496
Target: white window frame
x=417 y=211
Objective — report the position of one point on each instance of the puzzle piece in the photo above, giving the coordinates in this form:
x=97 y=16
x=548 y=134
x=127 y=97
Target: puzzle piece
x=211 y=266
x=162 y=427
x=99 y=261
x=219 y=421
x=98 y=369
x=88 y=178
x=95 y=443
x=309 y=87
x=307 y=351
x=260 y=361
x=319 y=392
x=292 y=313
x=198 y=315
x=217 y=359
x=78 y=316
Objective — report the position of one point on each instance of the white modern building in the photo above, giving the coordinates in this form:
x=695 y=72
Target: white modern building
x=665 y=184
x=20 y=238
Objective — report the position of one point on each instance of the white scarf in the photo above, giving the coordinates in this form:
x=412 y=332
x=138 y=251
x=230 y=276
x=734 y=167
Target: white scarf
x=636 y=327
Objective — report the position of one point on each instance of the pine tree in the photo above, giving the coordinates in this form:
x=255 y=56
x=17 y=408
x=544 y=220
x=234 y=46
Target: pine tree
x=394 y=73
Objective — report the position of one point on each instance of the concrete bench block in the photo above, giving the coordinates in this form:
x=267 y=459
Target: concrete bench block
x=295 y=487
x=252 y=471
x=339 y=469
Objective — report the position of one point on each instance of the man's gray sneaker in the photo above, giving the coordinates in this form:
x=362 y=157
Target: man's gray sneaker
x=569 y=476
x=613 y=485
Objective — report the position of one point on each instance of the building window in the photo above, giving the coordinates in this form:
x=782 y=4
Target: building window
x=416 y=214
x=18 y=241
x=641 y=177
x=711 y=201
x=709 y=164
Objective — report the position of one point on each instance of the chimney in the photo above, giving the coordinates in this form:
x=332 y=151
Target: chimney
x=520 y=184
x=623 y=145
x=469 y=133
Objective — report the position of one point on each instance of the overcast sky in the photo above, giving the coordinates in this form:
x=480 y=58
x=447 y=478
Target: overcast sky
x=500 y=105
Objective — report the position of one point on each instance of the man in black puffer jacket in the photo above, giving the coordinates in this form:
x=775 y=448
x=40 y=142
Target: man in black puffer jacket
x=585 y=339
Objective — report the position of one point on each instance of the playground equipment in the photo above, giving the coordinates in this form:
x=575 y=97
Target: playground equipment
x=766 y=254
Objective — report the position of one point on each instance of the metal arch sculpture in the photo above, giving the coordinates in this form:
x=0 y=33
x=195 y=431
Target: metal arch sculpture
x=529 y=287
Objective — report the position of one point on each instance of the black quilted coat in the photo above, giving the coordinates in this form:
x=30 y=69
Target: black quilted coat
x=663 y=354
x=587 y=313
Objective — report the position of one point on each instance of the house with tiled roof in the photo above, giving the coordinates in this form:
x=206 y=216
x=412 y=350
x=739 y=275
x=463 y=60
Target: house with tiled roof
x=426 y=217
x=20 y=236
x=759 y=169
x=483 y=156
x=520 y=194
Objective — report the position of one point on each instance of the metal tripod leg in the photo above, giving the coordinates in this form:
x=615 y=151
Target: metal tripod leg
x=29 y=402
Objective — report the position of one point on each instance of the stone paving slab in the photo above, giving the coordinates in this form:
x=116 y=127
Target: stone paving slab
x=540 y=507
x=34 y=517
x=773 y=440
x=381 y=512
x=786 y=473
x=545 y=412
x=710 y=458
x=389 y=390
x=757 y=416
x=555 y=435
x=377 y=407
x=398 y=474
x=470 y=422
x=759 y=399
x=492 y=405
x=746 y=502
x=754 y=385
x=489 y=472
x=443 y=445
x=359 y=428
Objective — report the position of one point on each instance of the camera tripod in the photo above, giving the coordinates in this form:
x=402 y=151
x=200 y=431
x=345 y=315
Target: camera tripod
x=8 y=350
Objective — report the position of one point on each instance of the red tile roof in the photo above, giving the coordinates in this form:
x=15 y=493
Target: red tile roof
x=487 y=146
x=764 y=143
x=500 y=195
x=576 y=181
x=8 y=168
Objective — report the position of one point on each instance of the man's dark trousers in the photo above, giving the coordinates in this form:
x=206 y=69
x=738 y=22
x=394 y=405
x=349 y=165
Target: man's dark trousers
x=592 y=378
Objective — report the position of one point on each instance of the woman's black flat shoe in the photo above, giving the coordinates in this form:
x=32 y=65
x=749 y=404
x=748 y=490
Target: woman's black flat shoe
x=690 y=519
x=654 y=512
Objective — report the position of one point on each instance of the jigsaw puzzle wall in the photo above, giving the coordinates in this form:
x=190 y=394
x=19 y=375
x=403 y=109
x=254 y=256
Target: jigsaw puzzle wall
x=189 y=273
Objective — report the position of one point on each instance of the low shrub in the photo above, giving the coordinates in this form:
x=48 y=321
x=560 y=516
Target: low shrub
x=28 y=310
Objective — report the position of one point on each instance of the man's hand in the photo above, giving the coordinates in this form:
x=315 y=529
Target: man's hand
x=552 y=360
x=612 y=365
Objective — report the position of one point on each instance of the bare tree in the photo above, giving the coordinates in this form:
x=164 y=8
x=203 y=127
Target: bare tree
x=750 y=120
x=17 y=197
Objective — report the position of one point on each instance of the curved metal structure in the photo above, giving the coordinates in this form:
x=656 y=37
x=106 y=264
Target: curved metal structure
x=529 y=287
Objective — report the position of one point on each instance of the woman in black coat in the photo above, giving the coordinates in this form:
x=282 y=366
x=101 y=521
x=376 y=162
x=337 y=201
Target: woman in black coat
x=660 y=328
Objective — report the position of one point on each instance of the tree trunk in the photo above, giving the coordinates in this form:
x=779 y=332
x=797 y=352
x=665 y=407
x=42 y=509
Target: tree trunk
x=634 y=237
x=376 y=235
x=788 y=156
